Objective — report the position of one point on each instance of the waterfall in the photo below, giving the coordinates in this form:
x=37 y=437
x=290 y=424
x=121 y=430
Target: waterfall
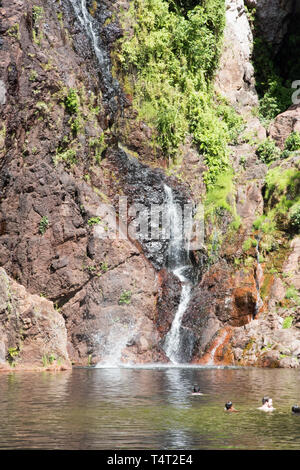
x=118 y=338
x=258 y=279
x=111 y=86
x=179 y=263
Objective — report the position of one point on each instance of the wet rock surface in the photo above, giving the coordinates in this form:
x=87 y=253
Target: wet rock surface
x=70 y=286
x=46 y=241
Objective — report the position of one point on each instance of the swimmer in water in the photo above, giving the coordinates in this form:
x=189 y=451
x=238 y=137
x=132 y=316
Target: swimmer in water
x=296 y=409
x=267 y=404
x=196 y=390
x=229 y=407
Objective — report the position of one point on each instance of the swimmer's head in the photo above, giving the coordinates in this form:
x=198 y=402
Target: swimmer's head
x=265 y=400
x=296 y=409
x=228 y=405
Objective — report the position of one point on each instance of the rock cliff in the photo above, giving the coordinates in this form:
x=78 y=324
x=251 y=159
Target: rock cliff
x=74 y=139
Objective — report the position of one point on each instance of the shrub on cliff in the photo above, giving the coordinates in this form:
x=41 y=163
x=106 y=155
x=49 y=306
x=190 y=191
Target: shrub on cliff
x=294 y=217
x=171 y=58
x=267 y=151
x=72 y=101
x=282 y=198
x=274 y=94
x=292 y=143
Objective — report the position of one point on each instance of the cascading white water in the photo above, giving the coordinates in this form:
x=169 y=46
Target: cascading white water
x=116 y=341
x=179 y=262
x=111 y=86
x=86 y=21
x=259 y=276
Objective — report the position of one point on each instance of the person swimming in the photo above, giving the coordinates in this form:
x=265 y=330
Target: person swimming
x=296 y=409
x=267 y=404
x=229 y=407
x=196 y=390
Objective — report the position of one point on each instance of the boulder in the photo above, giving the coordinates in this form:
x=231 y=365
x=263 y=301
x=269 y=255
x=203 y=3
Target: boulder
x=32 y=332
x=235 y=77
x=284 y=124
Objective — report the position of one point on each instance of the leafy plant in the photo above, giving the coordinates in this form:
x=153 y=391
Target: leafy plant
x=125 y=297
x=292 y=143
x=173 y=55
x=43 y=225
x=249 y=243
x=274 y=94
x=48 y=359
x=267 y=151
x=293 y=294
x=287 y=322
x=37 y=13
x=93 y=221
x=294 y=218
x=104 y=267
x=72 y=101
x=12 y=355
x=67 y=156
x=14 y=31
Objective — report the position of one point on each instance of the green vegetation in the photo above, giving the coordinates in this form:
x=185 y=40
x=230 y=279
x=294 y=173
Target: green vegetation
x=282 y=200
x=93 y=221
x=33 y=75
x=43 y=225
x=104 y=267
x=42 y=107
x=48 y=359
x=12 y=355
x=287 y=322
x=37 y=14
x=294 y=216
x=83 y=109
x=99 y=146
x=275 y=70
x=69 y=157
x=249 y=243
x=172 y=57
x=218 y=194
x=292 y=143
x=267 y=151
x=293 y=294
x=125 y=297
x=72 y=101
x=93 y=8
x=14 y=32
x=236 y=223
x=75 y=125
x=275 y=95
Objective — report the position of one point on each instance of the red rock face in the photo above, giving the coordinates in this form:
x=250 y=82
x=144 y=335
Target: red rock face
x=219 y=351
x=81 y=275
x=32 y=332
x=168 y=300
x=222 y=299
x=284 y=124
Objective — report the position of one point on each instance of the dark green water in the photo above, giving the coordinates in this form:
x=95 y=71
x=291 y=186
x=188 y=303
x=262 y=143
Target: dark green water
x=148 y=409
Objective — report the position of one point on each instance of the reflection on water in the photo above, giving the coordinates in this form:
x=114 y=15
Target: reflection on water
x=148 y=409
